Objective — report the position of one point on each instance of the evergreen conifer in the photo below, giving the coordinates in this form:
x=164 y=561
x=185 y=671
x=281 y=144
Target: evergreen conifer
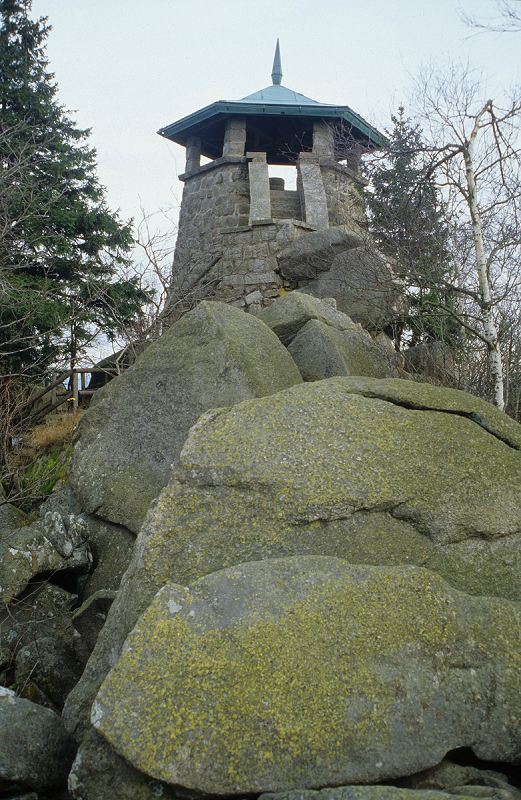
x=406 y=218
x=61 y=248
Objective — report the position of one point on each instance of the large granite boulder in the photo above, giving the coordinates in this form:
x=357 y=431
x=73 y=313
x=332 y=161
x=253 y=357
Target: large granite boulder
x=395 y=793
x=131 y=436
x=290 y=313
x=309 y=671
x=382 y=472
x=35 y=750
x=363 y=284
x=309 y=255
x=320 y=351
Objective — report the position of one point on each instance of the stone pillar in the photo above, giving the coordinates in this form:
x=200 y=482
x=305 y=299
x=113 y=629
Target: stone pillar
x=323 y=140
x=313 y=198
x=354 y=160
x=260 y=202
x=193 y=154
x=234 y=137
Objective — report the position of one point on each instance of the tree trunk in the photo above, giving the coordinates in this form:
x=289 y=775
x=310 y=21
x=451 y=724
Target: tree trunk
x=489 y=325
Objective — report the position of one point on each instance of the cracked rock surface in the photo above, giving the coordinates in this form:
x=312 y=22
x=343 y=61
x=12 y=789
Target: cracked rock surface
x=53 y=544
x=325 y=469
x=309 y=671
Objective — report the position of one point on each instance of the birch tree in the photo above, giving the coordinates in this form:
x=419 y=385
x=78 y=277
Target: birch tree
x=476 y=157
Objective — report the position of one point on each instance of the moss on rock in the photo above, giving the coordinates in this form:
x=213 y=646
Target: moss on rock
x=308 y=672
x=320 y=469
x=320 y=351
x=132 y=434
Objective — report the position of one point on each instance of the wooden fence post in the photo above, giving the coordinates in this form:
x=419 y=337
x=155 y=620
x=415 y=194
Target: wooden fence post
x=74 y=378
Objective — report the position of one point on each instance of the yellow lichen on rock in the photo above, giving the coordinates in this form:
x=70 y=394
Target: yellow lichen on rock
x=312 y=661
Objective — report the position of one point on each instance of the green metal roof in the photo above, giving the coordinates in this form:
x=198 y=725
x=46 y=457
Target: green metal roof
x=273 y=101
x=281 y=95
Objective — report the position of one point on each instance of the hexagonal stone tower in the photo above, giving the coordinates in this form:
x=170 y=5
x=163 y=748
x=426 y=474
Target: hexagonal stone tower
x=235 y=219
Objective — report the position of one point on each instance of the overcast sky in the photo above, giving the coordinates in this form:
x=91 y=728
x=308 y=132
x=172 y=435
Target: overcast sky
x=129 y=67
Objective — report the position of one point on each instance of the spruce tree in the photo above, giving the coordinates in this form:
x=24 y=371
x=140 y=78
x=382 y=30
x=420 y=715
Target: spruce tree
x=61 y=248
x=406 y=219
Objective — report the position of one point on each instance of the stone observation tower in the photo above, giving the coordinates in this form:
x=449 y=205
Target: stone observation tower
x=236 y=222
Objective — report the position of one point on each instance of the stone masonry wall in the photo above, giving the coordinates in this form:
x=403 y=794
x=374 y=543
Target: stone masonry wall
x=215 y=197
x=220 y=253
x=285 y=204
x=345 y=200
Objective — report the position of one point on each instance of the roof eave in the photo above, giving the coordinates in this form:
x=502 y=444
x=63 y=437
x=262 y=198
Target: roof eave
x=179 y=131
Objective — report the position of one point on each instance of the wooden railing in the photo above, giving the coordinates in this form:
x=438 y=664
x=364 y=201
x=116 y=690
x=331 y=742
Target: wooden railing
x=60 y=393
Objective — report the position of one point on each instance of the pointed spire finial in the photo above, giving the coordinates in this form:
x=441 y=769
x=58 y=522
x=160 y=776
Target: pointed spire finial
x=276 y=72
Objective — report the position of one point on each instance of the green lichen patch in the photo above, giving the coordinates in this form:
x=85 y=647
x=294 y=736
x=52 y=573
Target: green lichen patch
x=309 y=672
x=321 y=351
x=318 y=469
x=422 y=396
x=130 y=437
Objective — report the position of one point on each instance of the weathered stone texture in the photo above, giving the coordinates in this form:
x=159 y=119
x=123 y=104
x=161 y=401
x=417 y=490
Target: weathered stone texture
x=323 y=140
x=363 y=284
x=313 y=198
x=309 y=671
x=35 y=750
x=288 y=314
x=260 y=202
x=234 y=137
x=466 y=792
x=285 y=204
x=131 y=437
x=213 y=198
x=98 y=773
x=218 y=254
x=321 y=351
x=345 y=198
x=47 y=546
x=458 y=779
x=321 y=468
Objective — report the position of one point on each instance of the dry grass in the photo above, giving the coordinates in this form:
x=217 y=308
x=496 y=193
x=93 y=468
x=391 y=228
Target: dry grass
x=56 y=431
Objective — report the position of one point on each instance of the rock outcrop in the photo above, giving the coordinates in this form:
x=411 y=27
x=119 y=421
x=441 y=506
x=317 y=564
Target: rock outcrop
x=320 y=351
x=323 y=341
x=309 y=256
x=290 y=313
x=133 y=433
x=363 y=285
x=324 y=590
x=331 y=468
x=308 y=671
x=35 y=751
